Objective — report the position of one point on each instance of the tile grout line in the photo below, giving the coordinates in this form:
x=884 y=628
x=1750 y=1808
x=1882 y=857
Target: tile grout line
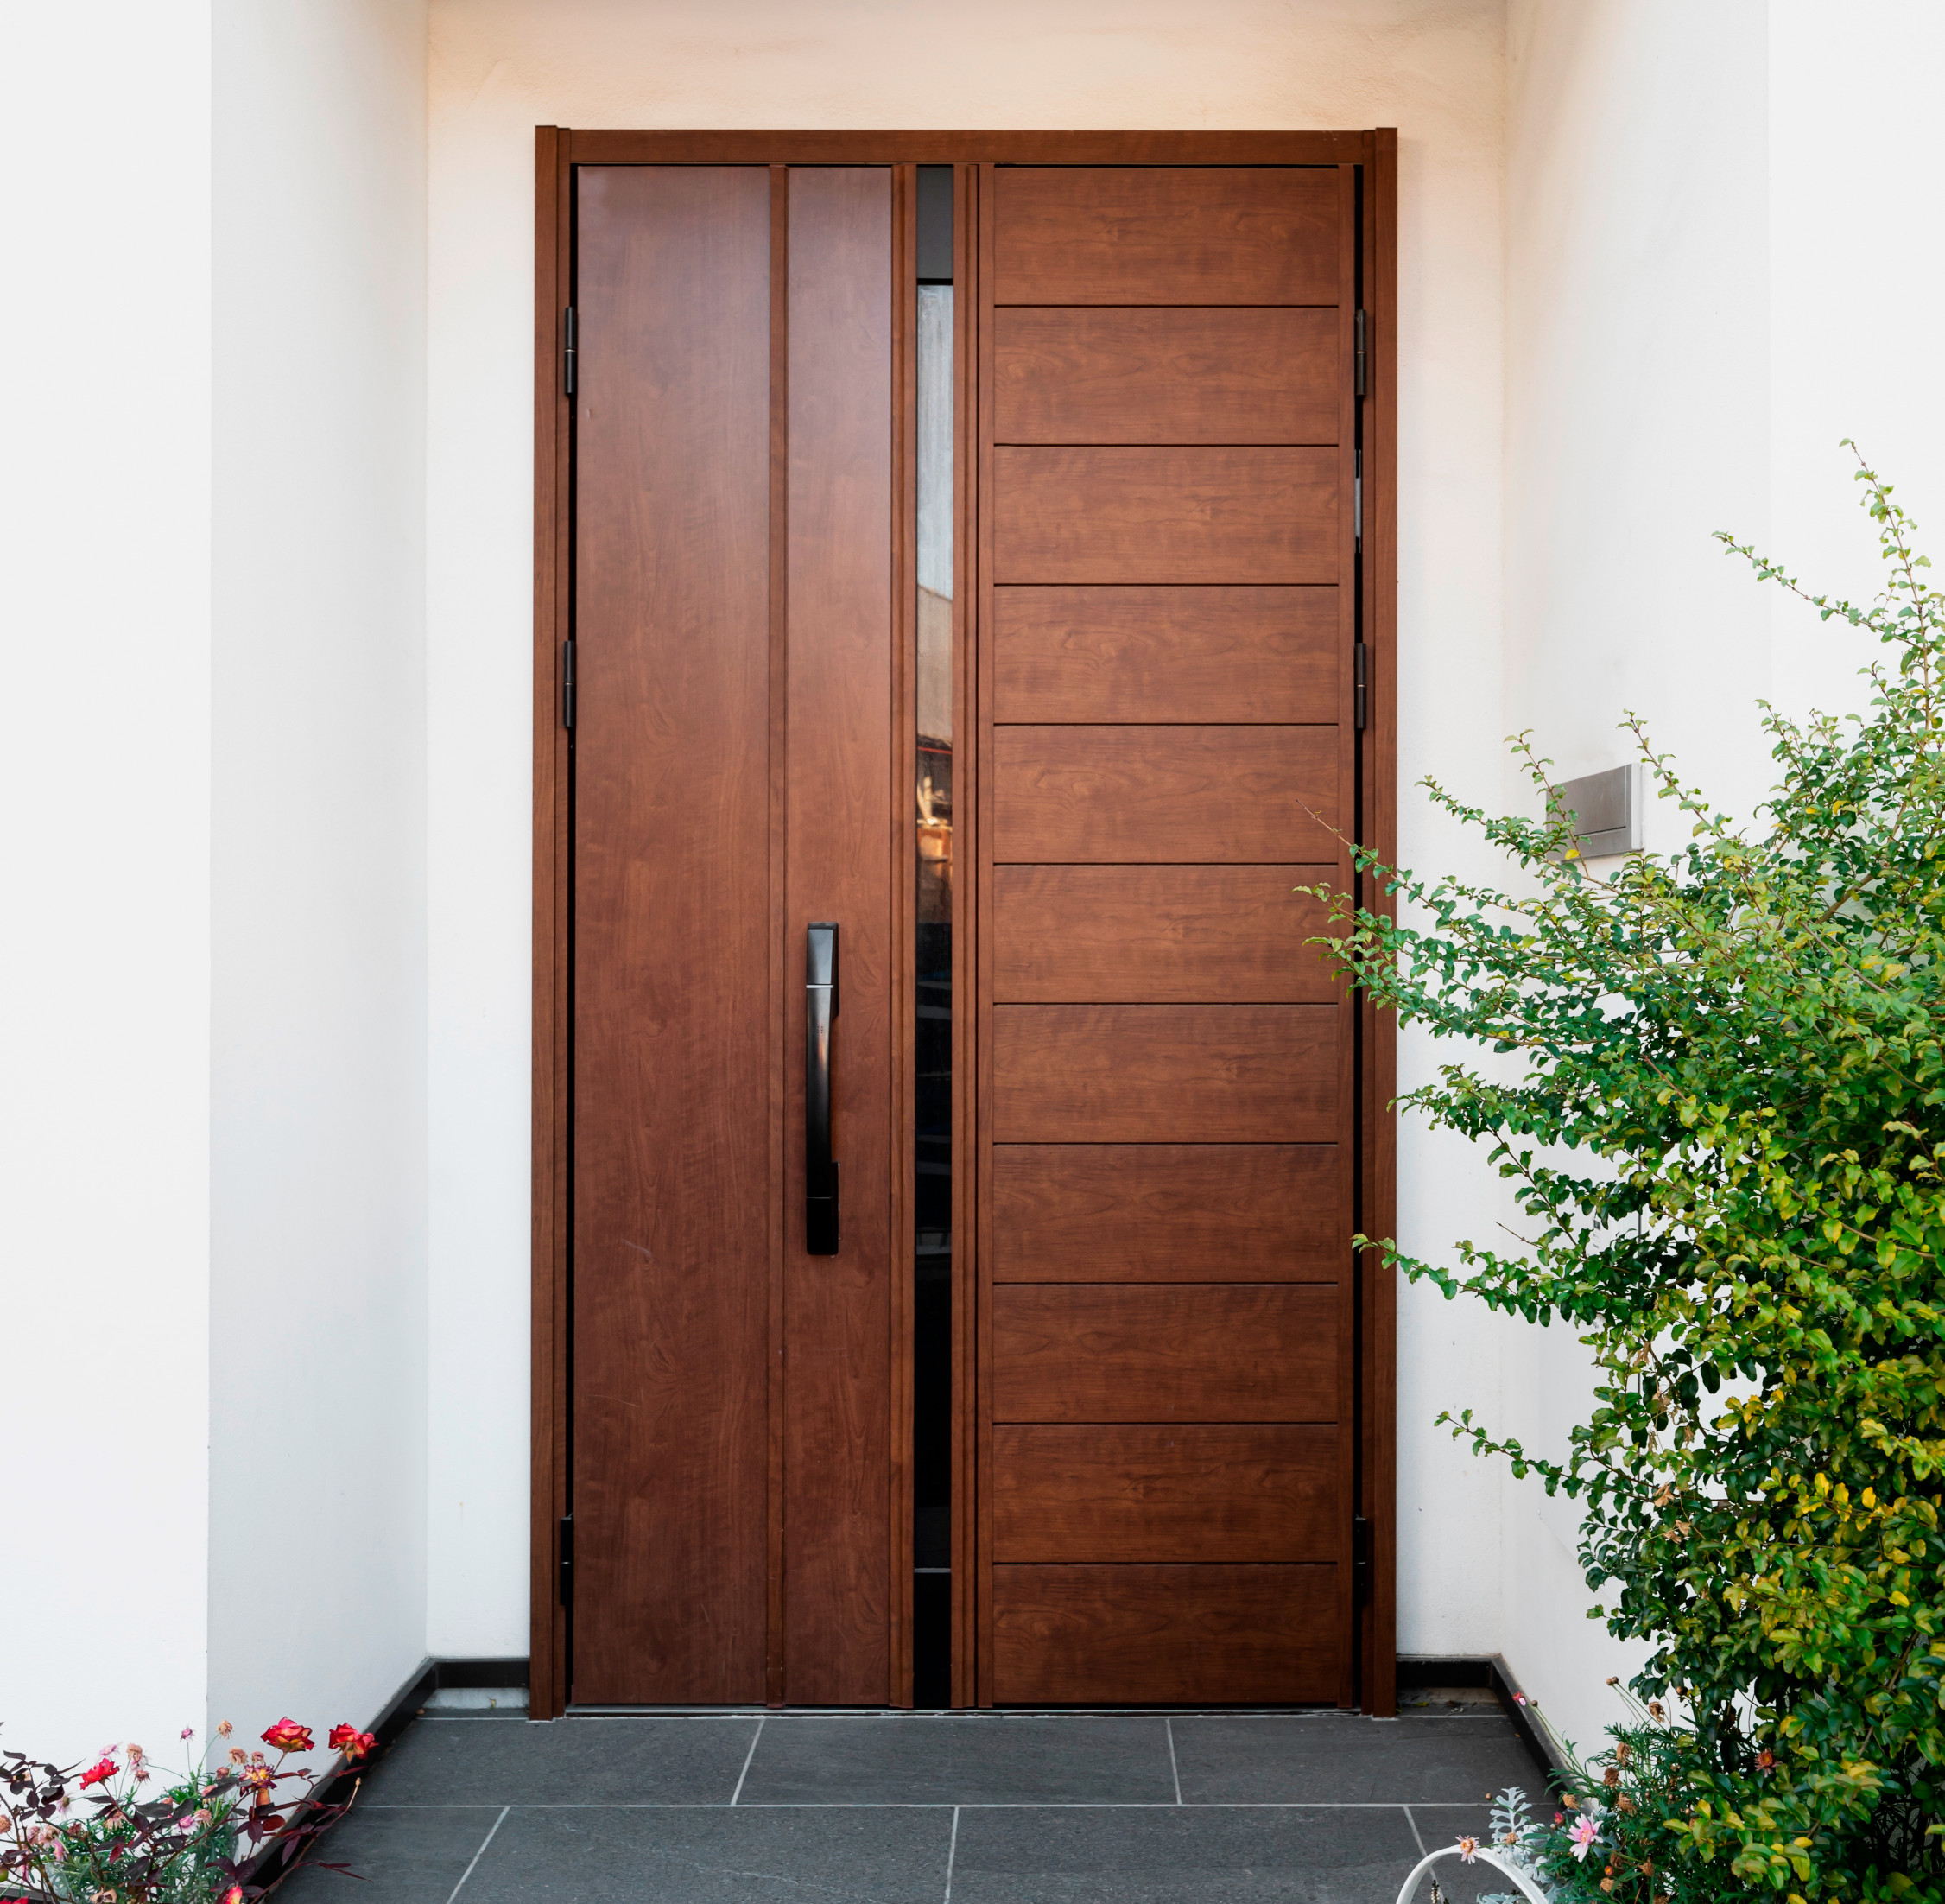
x=479 y=1853
x=747 y=1756
x=1175 y=1770
x=952 y=1855
x=1416 y=1833
x=947 y=1805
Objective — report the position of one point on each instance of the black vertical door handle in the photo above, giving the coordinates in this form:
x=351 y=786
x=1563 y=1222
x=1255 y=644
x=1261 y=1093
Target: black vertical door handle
x=821 y=1169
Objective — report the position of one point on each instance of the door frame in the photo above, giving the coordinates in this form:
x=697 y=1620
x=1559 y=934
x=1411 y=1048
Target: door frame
x=557 y=150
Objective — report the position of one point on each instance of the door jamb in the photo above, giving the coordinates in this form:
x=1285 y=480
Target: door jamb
x=557 y=150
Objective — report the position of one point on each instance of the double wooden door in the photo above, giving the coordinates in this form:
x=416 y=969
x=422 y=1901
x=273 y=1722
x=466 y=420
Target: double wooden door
x=1153 y=1377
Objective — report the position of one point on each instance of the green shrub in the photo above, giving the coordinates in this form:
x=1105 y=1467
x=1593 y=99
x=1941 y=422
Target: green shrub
x=1719 y=1093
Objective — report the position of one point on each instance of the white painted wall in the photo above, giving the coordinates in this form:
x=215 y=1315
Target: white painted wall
x=1432 y=68
x=318 y=1115
x=212 y=974
x=104 y=792
x=1718 y=262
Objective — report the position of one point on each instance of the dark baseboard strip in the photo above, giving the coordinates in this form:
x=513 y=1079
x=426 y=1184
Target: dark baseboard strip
x=1498 y=1676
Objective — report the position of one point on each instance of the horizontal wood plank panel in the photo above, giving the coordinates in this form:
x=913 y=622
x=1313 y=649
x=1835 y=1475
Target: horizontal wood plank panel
x=1134 y=654
x=1165 y=235
x=1164 y=1352
x=1165 y=376
x=1253 y=1492
x=1170 y=1213
x=1165 y=1636
x=1212 y=935
x=1165 y=1074
x=1155 y=796
x=1175 y=514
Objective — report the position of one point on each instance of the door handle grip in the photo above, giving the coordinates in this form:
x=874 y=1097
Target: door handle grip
x=820 y=1011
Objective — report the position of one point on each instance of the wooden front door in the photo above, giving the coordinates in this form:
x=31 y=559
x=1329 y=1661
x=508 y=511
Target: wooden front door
x=1084 y=1390
x=735 y=643
x=1167 y=616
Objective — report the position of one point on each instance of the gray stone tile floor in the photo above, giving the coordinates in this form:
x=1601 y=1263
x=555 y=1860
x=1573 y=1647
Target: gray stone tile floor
x=921 y=1808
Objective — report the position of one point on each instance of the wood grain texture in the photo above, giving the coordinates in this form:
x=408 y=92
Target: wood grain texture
x=1165 y=1074
x=672 y=1033
x=842 y=632
x=1165 y=515
x=1167 y=1213
x=1107 y=1352
x=1153 y=794
x=1167 y=376
x=1134 y=654
x=1160 y=235
x=970 y=148
x=1211 y=1493
x=1377 y=823
x=548 y=1477
x=1165 y=1636
x=1152 y=934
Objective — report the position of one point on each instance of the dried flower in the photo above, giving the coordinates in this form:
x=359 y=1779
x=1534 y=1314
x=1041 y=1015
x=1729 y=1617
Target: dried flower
x=224 y=1728
x=238 y=1756
x=1655 y=1709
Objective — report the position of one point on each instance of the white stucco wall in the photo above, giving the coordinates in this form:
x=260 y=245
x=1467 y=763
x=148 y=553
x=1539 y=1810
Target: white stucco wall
x=1431 y=67
x=1718 y=262
x=104 y=790
x=318 y=1116
x=212 y=975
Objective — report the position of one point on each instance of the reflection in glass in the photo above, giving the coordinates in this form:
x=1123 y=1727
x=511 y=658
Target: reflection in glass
x=933 y=1106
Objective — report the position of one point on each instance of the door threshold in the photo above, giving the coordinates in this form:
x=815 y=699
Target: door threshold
x=577 y=1711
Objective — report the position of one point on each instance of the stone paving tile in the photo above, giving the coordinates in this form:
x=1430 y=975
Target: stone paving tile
x=1344 y=1759
x=398 y=1857
x=828 y=1855
x=1245 y=1856
x=509 y=1762
x=993 y=1759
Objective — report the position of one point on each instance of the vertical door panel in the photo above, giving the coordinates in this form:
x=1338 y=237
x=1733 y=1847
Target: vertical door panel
x=672 y=977
x=838 y=1309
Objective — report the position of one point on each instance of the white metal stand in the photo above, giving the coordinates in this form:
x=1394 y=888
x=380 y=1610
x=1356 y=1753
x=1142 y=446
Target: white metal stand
x=1483 y=1855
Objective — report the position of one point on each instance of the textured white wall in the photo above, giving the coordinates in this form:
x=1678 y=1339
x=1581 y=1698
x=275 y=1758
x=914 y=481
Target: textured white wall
x=1719 y=228
x=104 y=520
x=318 y=1119
x=1432 y=68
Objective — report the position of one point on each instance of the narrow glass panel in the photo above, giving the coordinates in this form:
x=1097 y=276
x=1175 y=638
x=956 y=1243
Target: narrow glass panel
x=932 y=1369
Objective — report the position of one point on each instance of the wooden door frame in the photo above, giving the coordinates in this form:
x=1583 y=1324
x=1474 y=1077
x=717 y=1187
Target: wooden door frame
x=557 y=151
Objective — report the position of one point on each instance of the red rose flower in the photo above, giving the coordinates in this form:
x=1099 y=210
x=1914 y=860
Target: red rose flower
x=98 y=1774
x=287 y=1735
x=351 y=1741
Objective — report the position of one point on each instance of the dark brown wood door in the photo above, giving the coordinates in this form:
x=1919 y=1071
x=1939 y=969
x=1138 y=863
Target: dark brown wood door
x=1166 y=1113
x=732 y=1432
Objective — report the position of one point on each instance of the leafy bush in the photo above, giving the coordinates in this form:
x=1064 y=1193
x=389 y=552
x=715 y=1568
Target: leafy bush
x=92 y=1834
x=1724 y=1119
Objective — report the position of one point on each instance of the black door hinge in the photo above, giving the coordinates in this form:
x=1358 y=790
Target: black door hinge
x=1360 y=681
x=566 y=1560
x=566 y=684
x=1360 y=356
x=567 y=354
x=1360 y=1558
